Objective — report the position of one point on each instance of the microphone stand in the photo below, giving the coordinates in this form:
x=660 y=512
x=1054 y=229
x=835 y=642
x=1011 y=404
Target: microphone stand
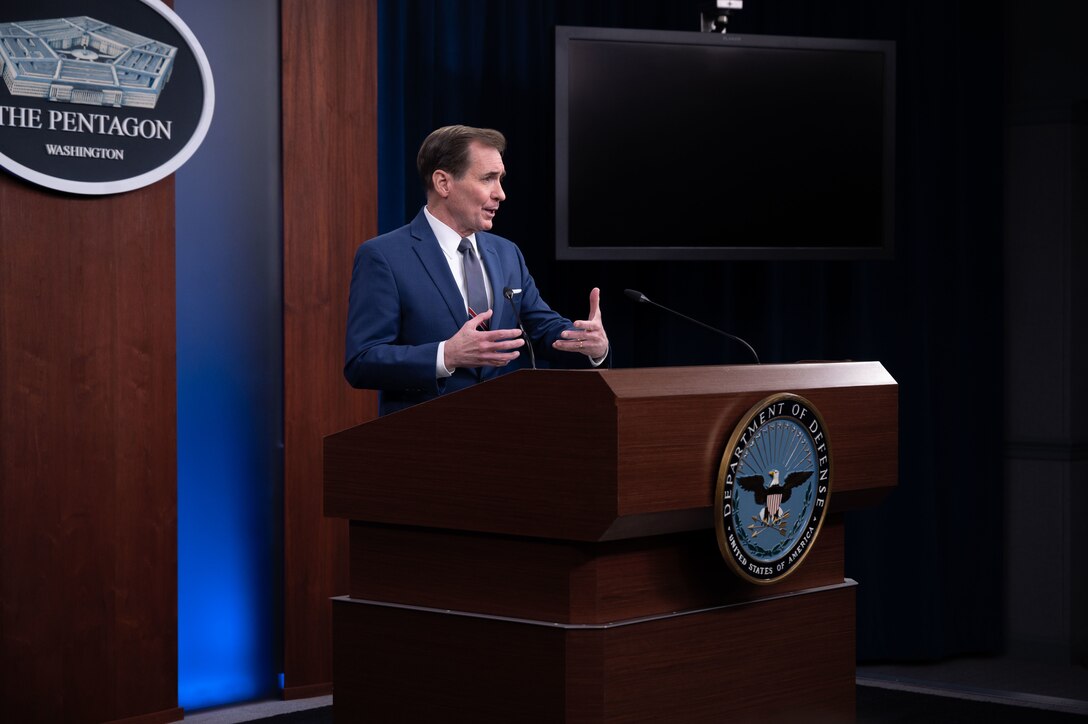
x=643 y=299
x=509 y=294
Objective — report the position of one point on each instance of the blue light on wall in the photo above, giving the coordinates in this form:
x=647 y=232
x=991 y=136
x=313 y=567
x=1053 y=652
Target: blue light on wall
x=230 y=368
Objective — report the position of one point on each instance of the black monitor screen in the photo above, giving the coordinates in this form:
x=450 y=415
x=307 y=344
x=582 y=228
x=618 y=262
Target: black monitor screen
x=675 y=145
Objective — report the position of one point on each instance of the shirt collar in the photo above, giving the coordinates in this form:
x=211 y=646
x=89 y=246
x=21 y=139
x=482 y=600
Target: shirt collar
x=448 y=239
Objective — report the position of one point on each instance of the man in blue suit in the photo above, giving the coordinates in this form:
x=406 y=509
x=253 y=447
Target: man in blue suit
x=413 y=331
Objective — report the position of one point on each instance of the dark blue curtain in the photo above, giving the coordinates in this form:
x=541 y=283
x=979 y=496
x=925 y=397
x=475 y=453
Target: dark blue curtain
x=929 y=558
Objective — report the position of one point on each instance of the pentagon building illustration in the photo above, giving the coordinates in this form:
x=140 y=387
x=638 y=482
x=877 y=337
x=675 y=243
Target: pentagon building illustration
x=83 y=60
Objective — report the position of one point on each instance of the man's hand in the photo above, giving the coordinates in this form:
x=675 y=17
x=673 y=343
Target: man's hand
x=472 y=348
x=588 y=335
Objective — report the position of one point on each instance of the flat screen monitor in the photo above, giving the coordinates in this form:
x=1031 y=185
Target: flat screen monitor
x=677 y=145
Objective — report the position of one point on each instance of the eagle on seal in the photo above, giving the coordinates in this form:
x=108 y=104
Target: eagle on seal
x=772 y=496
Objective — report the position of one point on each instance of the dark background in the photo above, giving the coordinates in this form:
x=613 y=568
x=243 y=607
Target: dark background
x=934 y=559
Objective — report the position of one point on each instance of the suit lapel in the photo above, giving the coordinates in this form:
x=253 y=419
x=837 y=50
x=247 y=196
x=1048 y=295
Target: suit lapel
x=434 y=262
x=501 y=317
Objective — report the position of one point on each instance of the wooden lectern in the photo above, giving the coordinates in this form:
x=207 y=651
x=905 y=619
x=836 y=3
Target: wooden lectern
x=541 y=547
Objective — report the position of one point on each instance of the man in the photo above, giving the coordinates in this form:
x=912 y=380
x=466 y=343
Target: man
x=425 y=317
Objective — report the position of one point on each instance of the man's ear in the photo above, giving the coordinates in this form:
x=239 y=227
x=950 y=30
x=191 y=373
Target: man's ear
x=441 y=181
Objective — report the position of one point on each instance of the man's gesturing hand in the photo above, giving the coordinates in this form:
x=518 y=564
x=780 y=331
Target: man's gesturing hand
x=588 y=335
x=473 y=348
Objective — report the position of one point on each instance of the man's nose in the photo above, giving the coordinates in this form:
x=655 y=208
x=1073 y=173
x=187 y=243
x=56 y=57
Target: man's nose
x=499 y=194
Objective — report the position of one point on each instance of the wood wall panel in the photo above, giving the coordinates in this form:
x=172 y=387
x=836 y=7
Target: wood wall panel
x=88 y=462
x=329 y=50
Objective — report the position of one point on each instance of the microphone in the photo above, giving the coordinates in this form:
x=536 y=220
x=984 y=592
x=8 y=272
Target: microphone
x=509 y=294
x=643 y=299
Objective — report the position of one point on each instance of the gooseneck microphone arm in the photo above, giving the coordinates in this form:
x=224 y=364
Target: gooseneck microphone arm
x=509 y=294
x=643 y=299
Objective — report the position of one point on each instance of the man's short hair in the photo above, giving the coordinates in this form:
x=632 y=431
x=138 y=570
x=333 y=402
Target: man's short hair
x=447 y=149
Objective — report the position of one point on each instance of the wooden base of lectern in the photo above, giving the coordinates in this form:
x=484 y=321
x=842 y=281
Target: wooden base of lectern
x=448 y=625
x=785 y=658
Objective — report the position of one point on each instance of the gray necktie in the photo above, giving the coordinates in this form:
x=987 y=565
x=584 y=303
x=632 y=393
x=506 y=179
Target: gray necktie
x=474 y=279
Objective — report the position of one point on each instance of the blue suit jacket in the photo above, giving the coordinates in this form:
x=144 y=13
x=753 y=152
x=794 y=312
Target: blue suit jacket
x=404 y=301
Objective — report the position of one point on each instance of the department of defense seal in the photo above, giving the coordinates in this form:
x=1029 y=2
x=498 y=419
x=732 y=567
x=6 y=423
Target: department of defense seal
x=773 y=488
